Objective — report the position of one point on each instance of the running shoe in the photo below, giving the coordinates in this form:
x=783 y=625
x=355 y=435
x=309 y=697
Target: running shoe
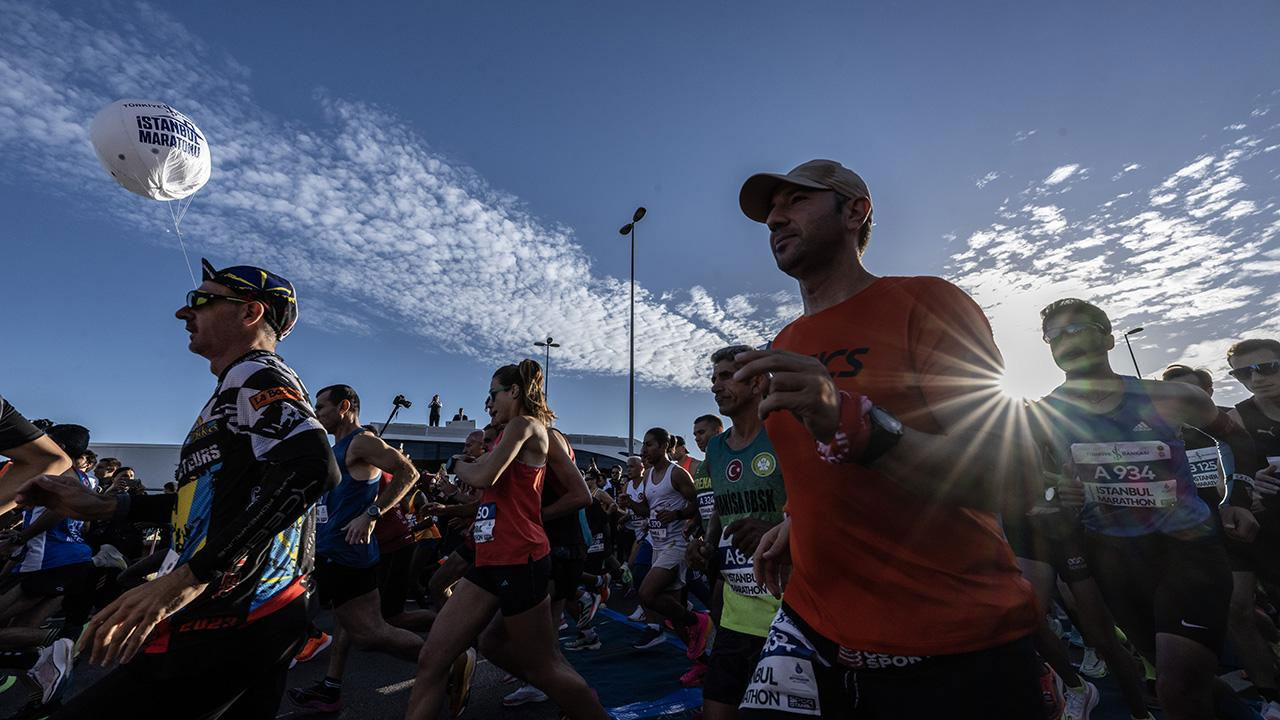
x=314 y=646
x=459 y=686
x=109 y=557
x=637 y=615
x=693 y=676
x=1271 y=711
x=524 y=694
x=1051 y=692
x=52 y=668
x=1092 y=666
x=318 y=697
x=699 y=633
x=585 y=641
x=589 y=610
x=652 y=637
x=1080 y=701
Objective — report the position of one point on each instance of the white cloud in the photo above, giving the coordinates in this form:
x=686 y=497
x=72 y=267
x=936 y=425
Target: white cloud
x=375 y=229
x=1195 y=265
x=986 y=179
x=1060 y=174
x=1023 y=135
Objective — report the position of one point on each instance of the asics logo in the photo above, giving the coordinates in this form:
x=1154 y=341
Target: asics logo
x=1193 y=626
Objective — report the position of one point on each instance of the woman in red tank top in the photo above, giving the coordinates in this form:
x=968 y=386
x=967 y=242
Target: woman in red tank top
x=512 y=567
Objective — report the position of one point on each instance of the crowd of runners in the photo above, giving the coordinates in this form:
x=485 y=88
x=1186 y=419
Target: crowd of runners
x=878 y=532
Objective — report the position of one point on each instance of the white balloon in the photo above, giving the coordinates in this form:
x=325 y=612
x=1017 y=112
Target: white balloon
x=151 y=149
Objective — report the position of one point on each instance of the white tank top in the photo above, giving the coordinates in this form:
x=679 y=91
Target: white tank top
x=636 y=494
x=662 y=495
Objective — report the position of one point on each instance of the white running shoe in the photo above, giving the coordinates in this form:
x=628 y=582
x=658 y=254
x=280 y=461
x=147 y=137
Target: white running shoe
x=524 y=694
x=1092 y=666
x=637 y=616
x=52 y=668
x=1079 y=701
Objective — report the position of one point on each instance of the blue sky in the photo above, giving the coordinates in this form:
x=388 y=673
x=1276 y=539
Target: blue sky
x=444 y=183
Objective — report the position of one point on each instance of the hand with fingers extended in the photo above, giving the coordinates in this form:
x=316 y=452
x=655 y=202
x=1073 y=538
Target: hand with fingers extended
x=360 y=529
x=67 y=496
x=120 y=630
x=797 y=383
x=1267 y=480
x=772 y=561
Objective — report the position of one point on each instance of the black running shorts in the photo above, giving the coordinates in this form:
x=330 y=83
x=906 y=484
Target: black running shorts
x=518 y=587
x=339 y=584
x=733 y=659
x=802 y=674
x=1158 y=584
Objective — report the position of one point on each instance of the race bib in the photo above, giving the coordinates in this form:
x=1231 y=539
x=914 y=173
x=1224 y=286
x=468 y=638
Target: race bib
x=783 y=680
x=597 y=543
x=1160 y=494
x=706 y=505
x=1204 y=467
x=322 y=513
x=486 y=516
x=735 y=568
x=657 y=531
x=170 y=562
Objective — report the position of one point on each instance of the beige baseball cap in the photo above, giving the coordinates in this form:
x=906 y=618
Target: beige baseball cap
x=756 y=196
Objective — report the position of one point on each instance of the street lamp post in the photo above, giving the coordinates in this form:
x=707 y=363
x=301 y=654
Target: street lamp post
x=630 y=229
x=1133 y=357
x=546 y=376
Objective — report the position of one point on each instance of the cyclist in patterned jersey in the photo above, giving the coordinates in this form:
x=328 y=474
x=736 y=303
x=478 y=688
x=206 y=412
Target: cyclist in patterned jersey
x=213 y=634
x=512 y=568
x=749 y=495
x=669 y=501
x=1153 y=544
x=890 y=521
x=30 y=453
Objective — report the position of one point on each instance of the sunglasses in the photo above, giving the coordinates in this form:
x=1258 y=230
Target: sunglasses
x=1244 y=374
x=1071 y=330
x=494 y=393
x=200 y=298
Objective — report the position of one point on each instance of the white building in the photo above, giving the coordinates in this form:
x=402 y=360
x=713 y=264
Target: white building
x=429 y=447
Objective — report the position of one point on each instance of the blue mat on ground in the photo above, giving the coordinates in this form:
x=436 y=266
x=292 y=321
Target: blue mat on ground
x=636 y=684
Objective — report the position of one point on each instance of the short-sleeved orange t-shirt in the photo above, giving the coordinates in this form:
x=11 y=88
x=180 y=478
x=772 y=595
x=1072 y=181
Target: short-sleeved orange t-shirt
x=879 y=568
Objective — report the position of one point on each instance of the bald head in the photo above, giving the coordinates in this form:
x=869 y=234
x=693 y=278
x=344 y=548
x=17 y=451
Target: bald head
x=473 y=446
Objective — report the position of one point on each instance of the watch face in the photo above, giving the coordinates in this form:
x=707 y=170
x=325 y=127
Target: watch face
x=887 y=421
x=1050 y=493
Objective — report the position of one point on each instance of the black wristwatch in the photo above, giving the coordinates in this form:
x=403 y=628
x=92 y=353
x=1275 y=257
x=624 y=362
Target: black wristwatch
x=886 y=431
x=373 y=511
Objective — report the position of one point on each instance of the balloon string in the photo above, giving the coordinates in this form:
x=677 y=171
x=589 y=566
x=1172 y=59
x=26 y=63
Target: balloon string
x=181 y=243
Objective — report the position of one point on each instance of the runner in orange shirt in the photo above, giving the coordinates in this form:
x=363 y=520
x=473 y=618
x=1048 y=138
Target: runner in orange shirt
x=904 y=600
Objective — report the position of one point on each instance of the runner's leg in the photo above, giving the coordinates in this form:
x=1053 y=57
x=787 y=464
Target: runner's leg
x=1242 y=628
x=460 y=621
x=547 y=669
x=362 y=617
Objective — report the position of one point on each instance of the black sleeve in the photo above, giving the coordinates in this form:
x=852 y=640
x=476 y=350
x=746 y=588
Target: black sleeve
x=15 y=430
x=154 y=510
x=301 y=469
